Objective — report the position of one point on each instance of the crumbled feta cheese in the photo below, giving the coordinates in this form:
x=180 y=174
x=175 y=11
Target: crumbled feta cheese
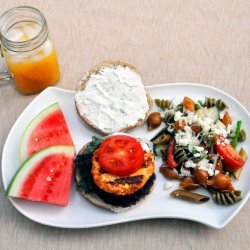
x=216 y=172
x=197 y=155
x=229 y=128
x=186 y=138
x=220 y=129
x=198 y=148
x=175 y=170
x=206 y=166
x=169 y=112
x=178 y=115
x=222 y=113
x=170 y=129
x=205 y=123
x=210 y=172
x=184 y=172
x=168 y=185
x=203 y=164
x=191 y=118
x=190 y=164
x=215 y=158
x=220 y=132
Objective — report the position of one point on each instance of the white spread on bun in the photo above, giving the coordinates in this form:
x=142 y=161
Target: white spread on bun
x=112 y=98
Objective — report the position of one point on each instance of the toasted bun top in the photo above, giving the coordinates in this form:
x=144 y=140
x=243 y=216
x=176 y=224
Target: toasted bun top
x=111 y=97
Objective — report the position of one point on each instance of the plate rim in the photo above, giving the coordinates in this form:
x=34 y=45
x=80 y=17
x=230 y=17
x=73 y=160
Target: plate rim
x=136 y=218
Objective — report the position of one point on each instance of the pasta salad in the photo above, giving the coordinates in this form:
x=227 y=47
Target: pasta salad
x=198 y=146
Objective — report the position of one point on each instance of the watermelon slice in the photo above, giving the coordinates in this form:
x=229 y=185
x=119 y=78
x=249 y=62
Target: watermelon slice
x=48 y=128
x=45 y=176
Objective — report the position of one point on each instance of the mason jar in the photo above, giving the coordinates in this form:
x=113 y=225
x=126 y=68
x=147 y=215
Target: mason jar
x=28 y=50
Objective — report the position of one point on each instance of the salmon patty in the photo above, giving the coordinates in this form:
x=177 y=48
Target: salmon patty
x=123 y=185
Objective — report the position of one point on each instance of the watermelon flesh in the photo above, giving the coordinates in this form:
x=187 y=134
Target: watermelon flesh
x=45 y=176
x=48 y=128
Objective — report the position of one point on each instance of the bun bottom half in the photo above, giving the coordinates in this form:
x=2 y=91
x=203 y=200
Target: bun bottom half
x=89 y=190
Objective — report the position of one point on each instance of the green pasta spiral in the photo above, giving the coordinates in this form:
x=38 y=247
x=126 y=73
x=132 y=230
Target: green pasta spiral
x=221 y=105
x=227 y=198
x=197 y=106
x=211 y=102
x=242 y=135
x=164 y=104
x=180 y=155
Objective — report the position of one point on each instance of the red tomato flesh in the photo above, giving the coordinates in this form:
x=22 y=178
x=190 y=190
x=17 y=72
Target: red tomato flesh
x=121 y=155
x=170 y=154
x=231 y=158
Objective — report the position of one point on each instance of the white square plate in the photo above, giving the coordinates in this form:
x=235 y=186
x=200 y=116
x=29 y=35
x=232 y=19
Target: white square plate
x=80 y=213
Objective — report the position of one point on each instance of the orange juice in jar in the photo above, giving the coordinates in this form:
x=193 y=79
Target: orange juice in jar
x=28 y=50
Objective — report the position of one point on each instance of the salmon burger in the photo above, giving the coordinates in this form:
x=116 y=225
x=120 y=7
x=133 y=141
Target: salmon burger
x=115 y=172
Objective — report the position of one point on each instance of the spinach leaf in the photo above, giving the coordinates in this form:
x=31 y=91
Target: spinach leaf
x=83 y=165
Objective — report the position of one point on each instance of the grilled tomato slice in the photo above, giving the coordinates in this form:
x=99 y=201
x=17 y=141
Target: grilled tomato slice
x=120 y=155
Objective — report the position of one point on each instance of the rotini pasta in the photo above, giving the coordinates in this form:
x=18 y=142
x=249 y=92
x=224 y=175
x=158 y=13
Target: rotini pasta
x=242 y=135
x=195 y=142
x=211 y=102
x=180 y=155
x=227 y=198
x=221 y=105
x=164 y=104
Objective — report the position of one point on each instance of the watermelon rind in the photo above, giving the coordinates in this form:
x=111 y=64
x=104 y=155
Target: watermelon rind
x=29 y=129
x=26 y=168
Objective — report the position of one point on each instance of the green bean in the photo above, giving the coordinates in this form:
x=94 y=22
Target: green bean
x=236 y=136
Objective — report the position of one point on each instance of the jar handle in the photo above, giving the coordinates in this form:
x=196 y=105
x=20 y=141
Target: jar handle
x=5 y=74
